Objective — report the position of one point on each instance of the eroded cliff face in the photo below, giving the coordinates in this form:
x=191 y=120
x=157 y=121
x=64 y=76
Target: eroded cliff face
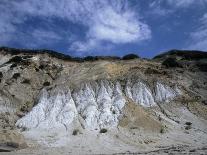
x=50 y=100
x=94 y=105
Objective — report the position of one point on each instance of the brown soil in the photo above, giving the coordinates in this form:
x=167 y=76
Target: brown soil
x=135 y=117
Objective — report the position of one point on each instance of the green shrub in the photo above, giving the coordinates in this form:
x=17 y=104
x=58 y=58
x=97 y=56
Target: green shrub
x=42 y=67
x=162 y=129
x=90 y=58
x=202 y=66
x=16 y=75
x=26 y=106
x=188 y=127
x=185 y=54
x=204 y=102
x=46 y=83
x=26 y=81
x=75 y=132
x=130 y=56
x=103 y=130
x=171 y=62
x=1 y=75
x=159 y=118
x=13 y=66
x=23 y=60
x=188 y=123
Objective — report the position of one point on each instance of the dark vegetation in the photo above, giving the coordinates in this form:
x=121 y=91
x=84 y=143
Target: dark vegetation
x=26 y=106
x=130 y=56
x=188 y=125
x=184 y=54
x=22 y=60
x=202 y=66
x=171 y=62
x=1 y=75
x=162 y=130
x=75 y=132
x=42 y=67
x=204 y=102
x=103 y=130
x=26 y=81
x=28 y=54
x=16 y=75
x=14 y=51
x=95 y=58
x=13 y=66
x=154 y=71
x=46 y=83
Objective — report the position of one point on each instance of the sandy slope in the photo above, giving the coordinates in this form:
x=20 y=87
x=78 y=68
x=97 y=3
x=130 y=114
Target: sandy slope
x=125 y=139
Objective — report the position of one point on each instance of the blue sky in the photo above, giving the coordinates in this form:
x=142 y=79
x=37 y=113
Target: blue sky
x=104 y=27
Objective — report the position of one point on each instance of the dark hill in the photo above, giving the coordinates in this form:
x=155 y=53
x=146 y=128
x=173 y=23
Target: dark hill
x=184 y=54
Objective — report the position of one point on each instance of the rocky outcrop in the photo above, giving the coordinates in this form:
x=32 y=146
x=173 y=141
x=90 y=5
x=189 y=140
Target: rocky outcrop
x=94 y=105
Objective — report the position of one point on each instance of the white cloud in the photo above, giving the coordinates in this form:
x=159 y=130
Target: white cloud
x=198 y=38
x=185 y=3
x=43 y=35
x=165 y=7
x=118 y=27
x=156 y=8
x=112 y=21
x=84 y=46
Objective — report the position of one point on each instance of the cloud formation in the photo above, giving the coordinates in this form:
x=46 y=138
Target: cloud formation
x=111 y=21
x=198 y=38
x=185 y=3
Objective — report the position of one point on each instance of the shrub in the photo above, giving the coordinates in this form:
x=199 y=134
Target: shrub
x=19 y=60
x=170 y=62
x=188 y=123
x=26 y=106
x=1 y=75
x=188 y=127
x=162 y=129
x=41 y=67
x=204 y=102
x=130 y=56
x=46 y=83
x=103 y=130
x=152 y=71
x=16 y=75
x=13 y=65
x=78 y=59
x=90 y=58
x=26 y=81
x=185 y=54
x=75 y=132
x=202 y=66
x=159 y=118
x=15 y=59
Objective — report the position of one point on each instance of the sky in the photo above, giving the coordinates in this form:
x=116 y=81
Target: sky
x=104 y=27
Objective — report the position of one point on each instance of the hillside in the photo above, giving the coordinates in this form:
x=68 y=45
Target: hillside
x=95 y=105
